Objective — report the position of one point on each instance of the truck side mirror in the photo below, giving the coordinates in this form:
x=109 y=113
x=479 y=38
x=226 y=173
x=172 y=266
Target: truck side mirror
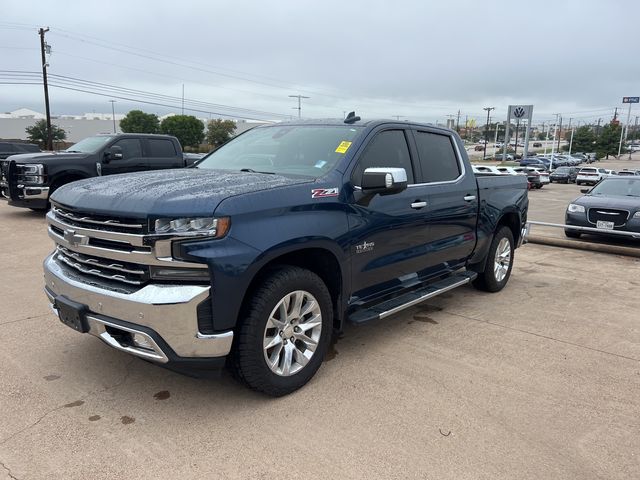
x=112 y=153
x=384 y=180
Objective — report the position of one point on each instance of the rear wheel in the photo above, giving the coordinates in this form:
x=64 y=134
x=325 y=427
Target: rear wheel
x=499 y=263
x=284 y=333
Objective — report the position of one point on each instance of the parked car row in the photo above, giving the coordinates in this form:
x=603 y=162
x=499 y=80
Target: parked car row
x=537 y=177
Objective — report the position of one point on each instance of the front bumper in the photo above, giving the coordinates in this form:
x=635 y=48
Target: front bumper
x=28 y=197
x=164 y=316
x=580 y=220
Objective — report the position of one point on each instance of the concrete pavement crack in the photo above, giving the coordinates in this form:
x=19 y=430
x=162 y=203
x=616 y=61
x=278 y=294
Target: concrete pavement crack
x=8 y=470
x=26 y=318
x=566 y=342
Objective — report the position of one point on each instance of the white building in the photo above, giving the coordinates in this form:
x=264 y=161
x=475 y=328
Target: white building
x=13 y=124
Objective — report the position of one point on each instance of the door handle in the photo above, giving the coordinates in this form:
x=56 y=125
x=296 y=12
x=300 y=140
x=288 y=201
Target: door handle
x=469 y=198
x=418 y=204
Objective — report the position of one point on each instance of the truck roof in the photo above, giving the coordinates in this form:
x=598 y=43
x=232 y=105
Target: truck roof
x=369 y=123
x=122 y=134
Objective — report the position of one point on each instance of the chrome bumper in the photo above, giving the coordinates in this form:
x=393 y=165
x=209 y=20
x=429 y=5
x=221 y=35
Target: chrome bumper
x=33 y=193
x=168 y=310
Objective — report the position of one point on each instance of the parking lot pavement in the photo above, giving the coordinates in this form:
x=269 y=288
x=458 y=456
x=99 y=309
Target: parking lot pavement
x=541 y=380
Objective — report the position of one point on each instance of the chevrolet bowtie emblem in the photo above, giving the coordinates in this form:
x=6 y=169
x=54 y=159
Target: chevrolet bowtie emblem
x=74 y=239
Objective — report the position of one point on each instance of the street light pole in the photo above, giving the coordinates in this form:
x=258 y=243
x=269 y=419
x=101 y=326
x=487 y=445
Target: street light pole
x=299 y=97
x=113 y=114
x=43 y=45
x=486 y=132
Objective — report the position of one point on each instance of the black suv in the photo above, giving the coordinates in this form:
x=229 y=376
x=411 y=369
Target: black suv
x=564 y=175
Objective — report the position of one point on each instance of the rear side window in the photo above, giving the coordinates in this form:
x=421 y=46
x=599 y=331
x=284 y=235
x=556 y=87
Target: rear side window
x=387 y=149
x=159 y=147
x=437 y=157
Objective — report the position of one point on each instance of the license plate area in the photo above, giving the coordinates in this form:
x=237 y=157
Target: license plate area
x=604 y=225
x=72 y=314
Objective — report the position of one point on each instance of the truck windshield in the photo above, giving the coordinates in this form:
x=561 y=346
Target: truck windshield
x=90 y=144
x=308 y=150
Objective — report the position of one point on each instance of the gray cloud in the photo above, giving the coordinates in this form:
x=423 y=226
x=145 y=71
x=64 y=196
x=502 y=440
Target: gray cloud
x=414 y=58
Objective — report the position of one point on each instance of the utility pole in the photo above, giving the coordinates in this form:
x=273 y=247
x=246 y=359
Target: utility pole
x=466 y=127
x=559 y=133
x=486 y=132
x=458 y=122
x=571 y=141
x=113 y=114
x=398 y=117
x=598 y=128
x=553 y=142
x=182 y=100
x=299 y=97
x=43 y=48
x=625 y=131
x=615 y=115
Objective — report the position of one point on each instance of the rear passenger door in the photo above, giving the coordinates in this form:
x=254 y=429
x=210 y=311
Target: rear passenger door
x=161 y=153
x=451 y=194
x=132 y=159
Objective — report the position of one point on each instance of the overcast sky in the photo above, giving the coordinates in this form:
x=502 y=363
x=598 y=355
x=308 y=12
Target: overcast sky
x=421 y=60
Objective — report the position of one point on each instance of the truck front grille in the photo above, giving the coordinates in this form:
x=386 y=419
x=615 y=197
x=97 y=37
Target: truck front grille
x=618 y=217
x=99 y=222
x=130 y=273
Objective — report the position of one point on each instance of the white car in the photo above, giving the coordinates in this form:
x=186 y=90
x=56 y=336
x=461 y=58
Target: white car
x=591 y=175
x=511 y=170
x=485 y=169
x=544 y=175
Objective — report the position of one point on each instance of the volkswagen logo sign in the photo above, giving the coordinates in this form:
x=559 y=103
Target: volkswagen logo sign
x=519 y=112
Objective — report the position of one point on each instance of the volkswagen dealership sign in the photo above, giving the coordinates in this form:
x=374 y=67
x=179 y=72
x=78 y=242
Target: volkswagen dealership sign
x=518 y=113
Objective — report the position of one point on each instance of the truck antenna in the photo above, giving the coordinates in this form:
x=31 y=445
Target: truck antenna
x=351 y=118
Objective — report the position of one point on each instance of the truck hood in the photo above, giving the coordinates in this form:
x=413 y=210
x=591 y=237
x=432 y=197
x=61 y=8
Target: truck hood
x=47 y=157
x=187 y=192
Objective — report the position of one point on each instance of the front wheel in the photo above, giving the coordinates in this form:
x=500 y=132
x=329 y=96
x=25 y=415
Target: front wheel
x=284 y=332
x=497 y=269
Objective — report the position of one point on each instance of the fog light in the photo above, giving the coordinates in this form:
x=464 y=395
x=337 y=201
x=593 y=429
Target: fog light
x=142 y=341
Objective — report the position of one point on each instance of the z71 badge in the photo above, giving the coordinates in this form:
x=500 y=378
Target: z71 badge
x=324 y=192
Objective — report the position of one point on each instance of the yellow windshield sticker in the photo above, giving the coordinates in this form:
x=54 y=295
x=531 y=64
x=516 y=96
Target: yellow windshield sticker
x=343 y=147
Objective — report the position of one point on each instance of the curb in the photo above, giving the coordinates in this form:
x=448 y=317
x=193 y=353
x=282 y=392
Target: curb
x=578 y=245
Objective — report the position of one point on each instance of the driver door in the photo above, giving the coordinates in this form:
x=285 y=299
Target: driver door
x=132 y=159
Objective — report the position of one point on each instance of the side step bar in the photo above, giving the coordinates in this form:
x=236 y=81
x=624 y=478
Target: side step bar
x=397 y=304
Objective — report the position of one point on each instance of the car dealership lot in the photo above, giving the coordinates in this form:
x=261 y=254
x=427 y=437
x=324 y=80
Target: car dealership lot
x=541 y=380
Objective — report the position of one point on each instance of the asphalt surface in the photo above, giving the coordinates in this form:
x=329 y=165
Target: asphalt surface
x=539 y=381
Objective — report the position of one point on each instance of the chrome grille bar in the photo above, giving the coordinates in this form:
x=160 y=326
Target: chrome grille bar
x=78 y=257
x=96 y=272
x=87 y=219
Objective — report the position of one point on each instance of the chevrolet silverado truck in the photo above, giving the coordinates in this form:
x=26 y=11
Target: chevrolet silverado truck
x=28 y=180
x=268 y=245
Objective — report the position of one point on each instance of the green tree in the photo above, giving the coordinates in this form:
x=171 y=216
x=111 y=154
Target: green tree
x=37 y=133
x=186 y=128
x=608 y=140
x=583 y=140
x=219 y=131
x=542 y=135
x=136 y=121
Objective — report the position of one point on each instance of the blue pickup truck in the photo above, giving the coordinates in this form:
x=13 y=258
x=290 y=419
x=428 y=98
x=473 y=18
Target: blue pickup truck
x=256 y=255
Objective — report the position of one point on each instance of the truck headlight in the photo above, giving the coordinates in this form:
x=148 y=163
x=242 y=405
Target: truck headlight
x=214 y=227
x=31 y=173
x=574 y=208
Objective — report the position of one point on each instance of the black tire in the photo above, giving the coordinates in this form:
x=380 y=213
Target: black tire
x=247 y=360
x=572 y=233
x=578 y=183
x=487 y=280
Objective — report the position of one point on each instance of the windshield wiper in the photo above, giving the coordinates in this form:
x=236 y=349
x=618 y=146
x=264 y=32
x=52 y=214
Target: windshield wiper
x=251 y=170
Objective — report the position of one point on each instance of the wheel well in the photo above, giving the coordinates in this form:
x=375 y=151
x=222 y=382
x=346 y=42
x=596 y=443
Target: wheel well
x=66 y=178
x=511 y=220
x=318 y=260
